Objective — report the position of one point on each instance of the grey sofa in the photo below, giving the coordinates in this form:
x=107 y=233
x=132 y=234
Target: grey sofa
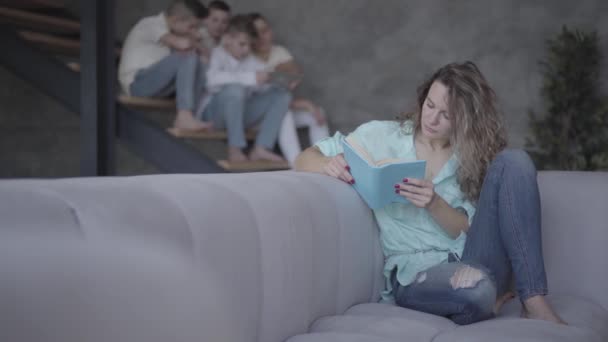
x=263 y=257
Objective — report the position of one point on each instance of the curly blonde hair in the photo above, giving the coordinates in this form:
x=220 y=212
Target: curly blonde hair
x=478 y=132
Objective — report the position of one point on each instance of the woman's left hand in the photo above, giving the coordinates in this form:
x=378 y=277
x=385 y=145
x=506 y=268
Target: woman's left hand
x=420 y=192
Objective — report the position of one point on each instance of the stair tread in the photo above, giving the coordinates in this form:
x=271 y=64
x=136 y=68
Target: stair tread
x=146 y=102
x=29 y=19
x=207 y=135
x=50 y=41
x=261 y=165
x=34 y=4
x=55 y=43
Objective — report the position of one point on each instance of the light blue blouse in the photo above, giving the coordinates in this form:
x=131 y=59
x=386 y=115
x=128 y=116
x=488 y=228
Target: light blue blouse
x=411 y=239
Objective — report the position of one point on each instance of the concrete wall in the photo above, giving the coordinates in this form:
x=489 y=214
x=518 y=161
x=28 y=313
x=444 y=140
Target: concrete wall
x=363 y=60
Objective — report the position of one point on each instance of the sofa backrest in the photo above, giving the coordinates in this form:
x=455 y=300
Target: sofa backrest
x=279 y=249
x=260 y=255
x=575 y=233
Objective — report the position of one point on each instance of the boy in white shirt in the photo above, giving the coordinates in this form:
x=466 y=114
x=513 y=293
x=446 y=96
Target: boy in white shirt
x=239 y=96
x=162 y=55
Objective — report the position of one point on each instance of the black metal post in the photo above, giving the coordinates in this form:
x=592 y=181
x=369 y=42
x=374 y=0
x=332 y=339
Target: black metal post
x=97 y=94
x=36 y=67
x=140 y=134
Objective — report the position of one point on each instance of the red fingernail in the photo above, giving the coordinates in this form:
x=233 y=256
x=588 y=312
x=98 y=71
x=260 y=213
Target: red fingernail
x=396 y=191
x=352 y=181
x=397 y=186
x=347 y=168
x=405 y=180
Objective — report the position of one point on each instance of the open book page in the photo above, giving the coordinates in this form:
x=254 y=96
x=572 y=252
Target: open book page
x=360 y=150
x=352 y=141
x=389 y=161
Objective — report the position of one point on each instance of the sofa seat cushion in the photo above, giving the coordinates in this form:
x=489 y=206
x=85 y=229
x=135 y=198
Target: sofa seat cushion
x=576 y=311
x=393 y=311
x=340 y=337
x=518 y=329
x=384 y=322
x=381 y=327
x=377 y=322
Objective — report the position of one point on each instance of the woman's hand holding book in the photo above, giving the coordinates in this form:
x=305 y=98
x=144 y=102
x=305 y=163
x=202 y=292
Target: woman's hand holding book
x=338 y=168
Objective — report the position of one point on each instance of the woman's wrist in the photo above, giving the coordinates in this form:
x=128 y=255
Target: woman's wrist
x=312 y=160
x=451 y=220
x=435 y=203
x=325 y=160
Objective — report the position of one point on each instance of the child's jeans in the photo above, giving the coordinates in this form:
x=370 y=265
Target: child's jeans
x=504 y=238
x=235 y=108
x=182 y=73
x=288 y=136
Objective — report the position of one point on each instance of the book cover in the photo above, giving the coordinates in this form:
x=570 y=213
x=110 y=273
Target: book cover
x=375 y=180
x=284 y=79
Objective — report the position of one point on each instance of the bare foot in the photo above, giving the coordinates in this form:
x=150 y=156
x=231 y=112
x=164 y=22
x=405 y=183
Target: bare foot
x=502 y=301
x=260 y=153
x=184 y=120
x=235 y=155
x=537 y=308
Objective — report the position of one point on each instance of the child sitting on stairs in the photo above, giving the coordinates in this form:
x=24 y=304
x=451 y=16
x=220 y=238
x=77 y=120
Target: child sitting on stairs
x=239 y=95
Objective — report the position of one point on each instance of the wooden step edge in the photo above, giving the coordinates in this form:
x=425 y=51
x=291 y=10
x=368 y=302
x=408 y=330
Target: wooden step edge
x=146 y=102
x=253 y=166
x=52 y=42
x=34 y=4
x=206 y=135
x=56 y=43
x=21 y=17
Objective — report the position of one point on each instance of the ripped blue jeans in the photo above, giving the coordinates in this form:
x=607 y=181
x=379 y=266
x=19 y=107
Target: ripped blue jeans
x=437 y=292
x=504 y=240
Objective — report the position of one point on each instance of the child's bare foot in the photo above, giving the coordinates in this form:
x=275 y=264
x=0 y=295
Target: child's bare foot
x=260 y=153
x=235 y=155
x=185 y=120
x=502 y=300
x=537 y=308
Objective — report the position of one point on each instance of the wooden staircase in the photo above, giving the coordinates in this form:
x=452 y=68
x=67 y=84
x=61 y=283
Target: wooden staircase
x=26 y=19
x=60 y=35
x=34 y=4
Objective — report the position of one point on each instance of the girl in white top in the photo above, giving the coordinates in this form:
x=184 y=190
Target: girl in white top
x=303 y=113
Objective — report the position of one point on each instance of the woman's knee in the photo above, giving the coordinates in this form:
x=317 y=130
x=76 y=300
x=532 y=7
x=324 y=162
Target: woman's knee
x=479 y=308
x=476 y=290
x=516 y=161
x=478 y=303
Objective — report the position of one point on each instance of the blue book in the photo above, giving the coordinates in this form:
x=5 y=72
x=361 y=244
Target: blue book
x=375 y=180
x=284 y=79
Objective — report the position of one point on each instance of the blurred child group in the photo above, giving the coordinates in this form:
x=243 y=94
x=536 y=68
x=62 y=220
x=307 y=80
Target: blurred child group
x=226 y=73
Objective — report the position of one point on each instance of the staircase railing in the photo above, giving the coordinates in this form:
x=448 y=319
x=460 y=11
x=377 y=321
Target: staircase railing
x=132 y=128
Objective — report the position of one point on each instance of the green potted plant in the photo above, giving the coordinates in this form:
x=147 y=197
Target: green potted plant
x=573 y=132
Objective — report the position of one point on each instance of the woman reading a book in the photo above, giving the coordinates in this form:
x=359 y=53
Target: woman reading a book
x=303 y=112
x=472 y=222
